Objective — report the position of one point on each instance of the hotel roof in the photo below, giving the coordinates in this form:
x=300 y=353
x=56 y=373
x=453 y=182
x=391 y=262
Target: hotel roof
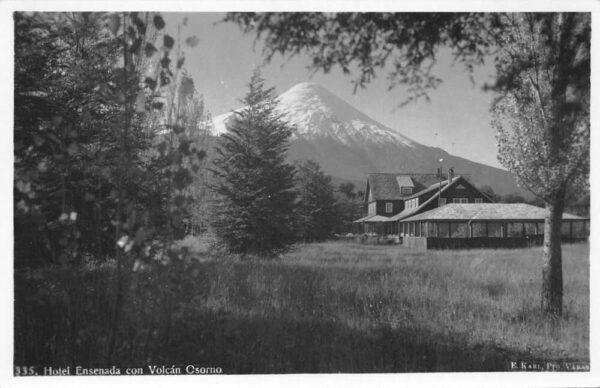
x=487 y=212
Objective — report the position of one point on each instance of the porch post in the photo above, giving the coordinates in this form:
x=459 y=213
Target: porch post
x=487 y=233
x=470 y=230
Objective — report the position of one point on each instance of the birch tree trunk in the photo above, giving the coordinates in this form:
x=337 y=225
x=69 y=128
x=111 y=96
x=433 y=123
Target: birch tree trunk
x=552 y=279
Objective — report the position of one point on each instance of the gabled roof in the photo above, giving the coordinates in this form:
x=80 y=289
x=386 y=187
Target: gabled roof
x=404 y=181
x=423 y=181
x=384 y=186
x=487 y=212
x=435 y=186
x=407 y=212
x=387 y=186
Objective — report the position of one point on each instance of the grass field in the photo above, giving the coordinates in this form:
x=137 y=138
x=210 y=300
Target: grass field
x=330 y=307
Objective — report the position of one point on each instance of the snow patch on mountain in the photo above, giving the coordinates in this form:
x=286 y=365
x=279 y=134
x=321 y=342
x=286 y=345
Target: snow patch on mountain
x=316 y=113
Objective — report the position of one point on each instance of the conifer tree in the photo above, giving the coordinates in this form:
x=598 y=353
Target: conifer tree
x=317 y=209
x=255 y=210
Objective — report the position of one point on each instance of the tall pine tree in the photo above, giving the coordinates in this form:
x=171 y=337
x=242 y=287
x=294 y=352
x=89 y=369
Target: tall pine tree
x=255 y=211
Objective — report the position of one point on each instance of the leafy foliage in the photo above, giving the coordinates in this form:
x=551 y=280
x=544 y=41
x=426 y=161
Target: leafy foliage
x=65 y=150
x=254 y=211
x=405 y=44
x=97 y=161
x=542 y=112
x=106 y=148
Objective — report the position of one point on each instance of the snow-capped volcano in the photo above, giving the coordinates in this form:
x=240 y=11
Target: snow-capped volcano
x=348 y=144
x=315 y=112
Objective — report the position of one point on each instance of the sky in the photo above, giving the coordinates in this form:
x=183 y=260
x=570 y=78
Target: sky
x=456 y=118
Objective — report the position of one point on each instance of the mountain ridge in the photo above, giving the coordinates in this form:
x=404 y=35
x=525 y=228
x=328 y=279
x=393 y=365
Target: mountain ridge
x=349 y=144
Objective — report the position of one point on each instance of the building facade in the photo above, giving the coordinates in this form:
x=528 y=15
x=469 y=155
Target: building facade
x=391 y=197
x=450 y=213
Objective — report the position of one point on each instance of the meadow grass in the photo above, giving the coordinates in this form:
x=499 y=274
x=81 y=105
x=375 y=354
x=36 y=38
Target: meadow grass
x=328 y=307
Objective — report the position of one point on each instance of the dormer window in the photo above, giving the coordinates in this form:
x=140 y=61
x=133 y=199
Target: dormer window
x=404 y=190
x=388 y=207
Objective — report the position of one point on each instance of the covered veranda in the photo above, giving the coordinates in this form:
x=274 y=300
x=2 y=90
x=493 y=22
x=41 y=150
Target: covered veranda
x=492 y=224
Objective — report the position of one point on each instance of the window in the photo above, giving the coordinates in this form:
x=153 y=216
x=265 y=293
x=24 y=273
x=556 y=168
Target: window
x=406 y=190
x=478 y=200
x=442 y=201
x=388 y=207
x=460 y=200
x=412 y=203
